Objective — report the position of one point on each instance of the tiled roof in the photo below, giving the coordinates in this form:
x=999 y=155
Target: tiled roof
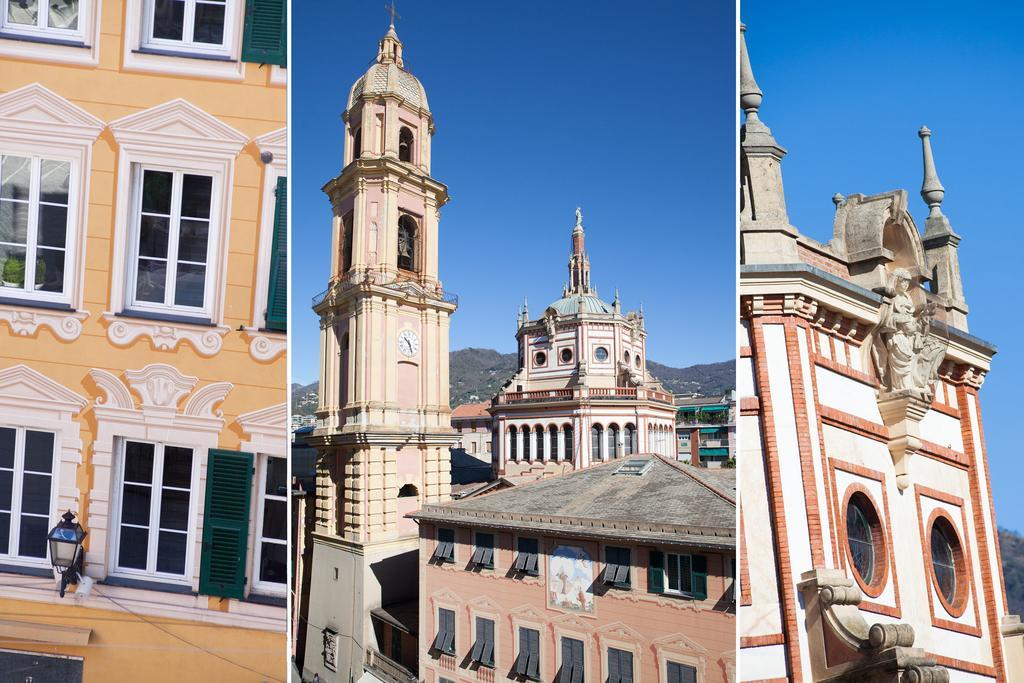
x=472 y=410
x=670 y=503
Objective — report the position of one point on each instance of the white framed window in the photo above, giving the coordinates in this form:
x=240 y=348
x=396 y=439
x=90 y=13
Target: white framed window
x=43 y=186
x=170 y=241
x=185 y=37
x=27 y=492
x=196 y=26
x=35 y=210
x=59 y=19
x=152 y=141
x=270 y=554
x=154 y=521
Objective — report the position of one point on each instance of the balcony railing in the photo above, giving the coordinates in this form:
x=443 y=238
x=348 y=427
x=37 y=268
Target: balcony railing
x=597 y=394
x=714 y=443
x=367 y=277
x=387 y=668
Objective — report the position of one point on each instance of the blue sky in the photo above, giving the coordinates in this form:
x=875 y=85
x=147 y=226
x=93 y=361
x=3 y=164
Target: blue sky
x=540 y=107
x=847 y=86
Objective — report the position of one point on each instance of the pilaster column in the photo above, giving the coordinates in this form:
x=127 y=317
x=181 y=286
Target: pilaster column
x=431 y=219
x=560 y=454
x=391 y=128
x=360 y=226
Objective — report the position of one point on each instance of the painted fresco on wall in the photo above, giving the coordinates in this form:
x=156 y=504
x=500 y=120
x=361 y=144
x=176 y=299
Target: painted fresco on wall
x=570 y=577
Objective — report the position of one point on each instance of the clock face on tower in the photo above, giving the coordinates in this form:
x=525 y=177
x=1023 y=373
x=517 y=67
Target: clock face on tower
x=408 y=343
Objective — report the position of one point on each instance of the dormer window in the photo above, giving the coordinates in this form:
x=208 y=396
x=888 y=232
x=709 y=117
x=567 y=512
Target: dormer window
x=405 y=144
x=407 y=243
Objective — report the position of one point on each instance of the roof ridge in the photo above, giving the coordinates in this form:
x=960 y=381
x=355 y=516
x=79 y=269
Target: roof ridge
x=675 y=465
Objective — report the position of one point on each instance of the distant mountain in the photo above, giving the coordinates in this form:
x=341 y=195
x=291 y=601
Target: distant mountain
x=477 y=374
x=1011 y=546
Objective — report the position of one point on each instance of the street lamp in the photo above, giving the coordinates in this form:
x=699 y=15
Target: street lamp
x=66 y=552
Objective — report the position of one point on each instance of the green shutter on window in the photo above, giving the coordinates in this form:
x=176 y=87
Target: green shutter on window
x=699 y=572
x=226 y=523
x=266 y=32
x=656 y=572
x=277 y=293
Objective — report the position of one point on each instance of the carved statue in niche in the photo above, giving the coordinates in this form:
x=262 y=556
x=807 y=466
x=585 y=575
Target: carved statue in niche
x=906 y=354
x=549 y=324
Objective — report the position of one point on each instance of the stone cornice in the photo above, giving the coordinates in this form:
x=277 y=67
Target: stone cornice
x=385 y=168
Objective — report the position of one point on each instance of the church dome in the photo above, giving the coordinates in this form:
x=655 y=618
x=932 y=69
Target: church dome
x=388 y=76
x=581 y=303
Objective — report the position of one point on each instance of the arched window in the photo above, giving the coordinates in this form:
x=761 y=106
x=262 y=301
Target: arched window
x=346 y=247
x=343 y=389
x=538 y=443
x=629 y=439
x=408 y=491
x=513 y=443
x=553 y=442
x=357 y=144
x=405 y=144
x=613 y=437
x=596 y=436
x=567 y=442
x=407 y=240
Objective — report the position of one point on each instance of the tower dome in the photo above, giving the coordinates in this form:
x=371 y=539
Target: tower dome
x=387 y=76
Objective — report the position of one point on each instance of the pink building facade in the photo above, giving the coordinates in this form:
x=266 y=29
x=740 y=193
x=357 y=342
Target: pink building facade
x=623 y=571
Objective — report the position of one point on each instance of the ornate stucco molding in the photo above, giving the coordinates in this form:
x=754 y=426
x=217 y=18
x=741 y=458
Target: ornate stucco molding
x=844 y=647
x=264 y=346
x=25 y=322
x=207 y=341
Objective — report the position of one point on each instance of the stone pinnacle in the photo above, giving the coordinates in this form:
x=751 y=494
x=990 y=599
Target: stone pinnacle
x=932 y=191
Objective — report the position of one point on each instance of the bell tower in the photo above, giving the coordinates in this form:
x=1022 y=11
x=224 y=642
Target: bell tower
x=384 y=419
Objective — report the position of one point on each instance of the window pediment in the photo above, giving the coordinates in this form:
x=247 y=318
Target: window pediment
x=34 y=109
x=23 y=385
x=275 y=142
x=176 y=123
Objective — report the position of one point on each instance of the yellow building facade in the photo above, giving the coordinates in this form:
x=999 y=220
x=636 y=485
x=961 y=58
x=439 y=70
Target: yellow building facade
x=143 y=164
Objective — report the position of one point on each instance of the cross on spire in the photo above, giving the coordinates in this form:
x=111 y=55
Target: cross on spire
x=393 y=12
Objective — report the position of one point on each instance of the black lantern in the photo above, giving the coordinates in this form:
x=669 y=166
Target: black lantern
x=66 y=552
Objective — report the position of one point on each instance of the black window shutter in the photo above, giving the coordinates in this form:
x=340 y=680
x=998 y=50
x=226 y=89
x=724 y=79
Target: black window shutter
x=626 y=666
x=524 y=651
x=226 y=523
x=577 y=661
x=277 y=292
x=681 y=673
x=614 y=670
x=565 y=676
x=656 y=572
x=478 y=646
x=266 y=32
x=533 y=668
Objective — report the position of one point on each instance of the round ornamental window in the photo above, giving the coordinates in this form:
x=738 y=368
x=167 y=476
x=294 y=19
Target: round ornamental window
x=601 y=353
x=626 y=357
x=948 y=565
x=860 y=538
x=636 y=361
x=566 y=355
x=540 y=358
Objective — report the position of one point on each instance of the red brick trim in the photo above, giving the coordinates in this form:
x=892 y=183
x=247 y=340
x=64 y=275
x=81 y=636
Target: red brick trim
x=961 y=665
x=944 y=409
x=746 y=352
x=750 y=405
x=787 y=597
x=845 y=371
x=963 y=395
x=944 y=454
x=762 y=641
x=827 y=473
x=745 y=597
x=925 y=528
x=988 y=484
x=852 y=423
x=956 y=608
x=807 y=476
x=868 y=473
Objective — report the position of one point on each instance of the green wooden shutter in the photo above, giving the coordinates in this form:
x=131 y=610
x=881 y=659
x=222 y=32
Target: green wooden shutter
x=226 y=523
x=266 y=32
x=699 y=572
x=277 y=293
x=656 y=572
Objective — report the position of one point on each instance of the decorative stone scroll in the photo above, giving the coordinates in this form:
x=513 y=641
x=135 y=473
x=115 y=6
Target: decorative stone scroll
x=844 y=647
x=207 y=341
x=25 y=322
